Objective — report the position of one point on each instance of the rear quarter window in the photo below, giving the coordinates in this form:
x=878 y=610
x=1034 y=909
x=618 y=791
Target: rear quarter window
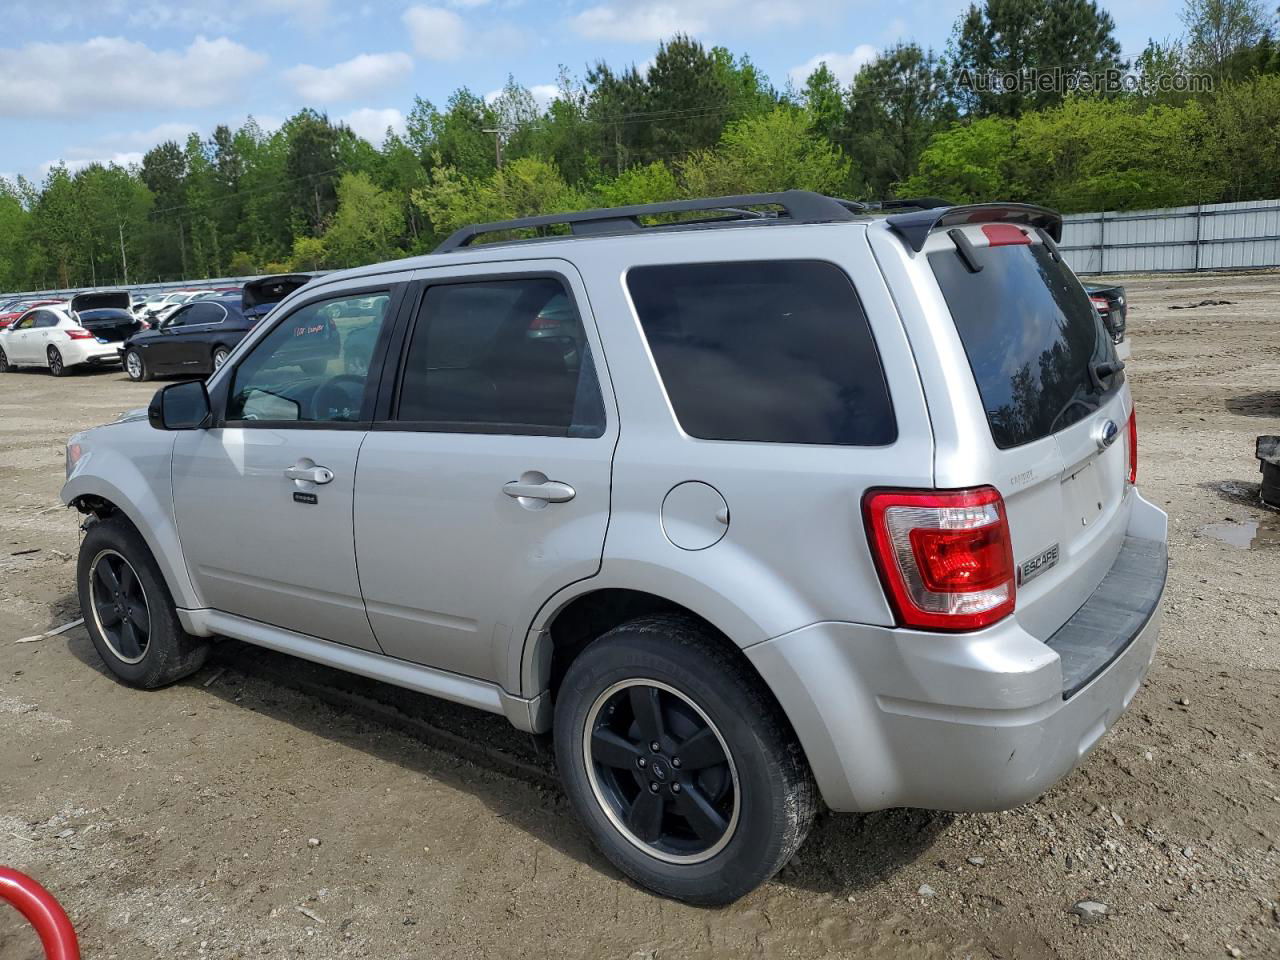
x=774 y=351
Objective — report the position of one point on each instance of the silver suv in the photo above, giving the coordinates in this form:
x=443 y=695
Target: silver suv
x=753 y=502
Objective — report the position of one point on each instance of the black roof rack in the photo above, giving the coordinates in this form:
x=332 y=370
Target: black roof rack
x=800 y=206
x=909 y=203
x=915 y=227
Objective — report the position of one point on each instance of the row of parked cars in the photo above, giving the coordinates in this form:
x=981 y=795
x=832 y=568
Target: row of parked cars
x=186 y=331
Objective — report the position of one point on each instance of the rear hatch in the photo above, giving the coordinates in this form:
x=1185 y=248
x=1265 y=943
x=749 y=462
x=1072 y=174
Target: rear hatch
x=101 y=300
x=260 y=295
x=109 y=325
x=1056 y=406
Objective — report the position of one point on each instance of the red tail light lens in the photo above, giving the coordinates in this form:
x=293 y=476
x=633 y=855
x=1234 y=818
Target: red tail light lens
x=1133 y=446
x=1101 y=303
x=945 y=558
x=76 y=333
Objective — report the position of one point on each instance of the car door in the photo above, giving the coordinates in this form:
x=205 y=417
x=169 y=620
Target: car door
x=44 y=333
x=193 y=341
x=486 y=489
x=263 y=499
x=17 y=343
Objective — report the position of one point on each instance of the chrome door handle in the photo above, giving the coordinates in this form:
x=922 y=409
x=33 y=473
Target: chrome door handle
x=553 y=491
x=312 y=474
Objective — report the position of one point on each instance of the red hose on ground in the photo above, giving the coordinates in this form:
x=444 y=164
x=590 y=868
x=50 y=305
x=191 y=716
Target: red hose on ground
x=43 y=912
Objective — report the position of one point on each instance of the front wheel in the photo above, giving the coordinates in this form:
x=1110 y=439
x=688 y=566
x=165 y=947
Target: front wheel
x=128 y=611
x=680 y=763
x=135 y=367
x=56 y=366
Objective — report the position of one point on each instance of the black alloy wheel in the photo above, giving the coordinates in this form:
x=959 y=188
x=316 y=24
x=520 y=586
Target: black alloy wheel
x=119 y=606
x=661 y=771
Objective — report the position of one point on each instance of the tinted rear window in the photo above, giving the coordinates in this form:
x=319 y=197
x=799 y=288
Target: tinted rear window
x=1030 y=334
x=774 y=351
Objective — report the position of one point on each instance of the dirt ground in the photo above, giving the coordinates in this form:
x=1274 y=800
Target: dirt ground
x=180 y=823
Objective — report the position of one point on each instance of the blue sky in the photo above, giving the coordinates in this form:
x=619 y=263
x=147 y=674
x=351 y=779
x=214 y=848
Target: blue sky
x=85 y=80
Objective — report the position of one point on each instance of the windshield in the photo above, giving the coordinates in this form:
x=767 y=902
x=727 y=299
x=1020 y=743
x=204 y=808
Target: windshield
x=1032 y=338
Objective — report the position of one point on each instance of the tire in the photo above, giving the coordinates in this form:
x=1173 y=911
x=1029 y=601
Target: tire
x=162 y=652
x=1270 y=484
x=219 y=357
x=56 y=366
x=135 y=367
x=762 y=794
x=5 y=366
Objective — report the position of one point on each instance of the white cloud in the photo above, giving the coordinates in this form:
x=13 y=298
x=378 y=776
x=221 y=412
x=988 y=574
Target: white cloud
x=436 y=33
x=109 y=74
x=440 y=34
x=371 y=123
x=646 y=21
x=467 y=4
x=843 y=65
x=350 y=80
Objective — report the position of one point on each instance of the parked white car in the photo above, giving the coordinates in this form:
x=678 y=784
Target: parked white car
x=53 y=338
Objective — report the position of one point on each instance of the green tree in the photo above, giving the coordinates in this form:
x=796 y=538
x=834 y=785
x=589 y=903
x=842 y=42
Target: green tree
x=824 y=101
x=311 y=169
x=525 y=187
x=690 y=98
x=1242 y=143
x=777 y=151
x=1008 y=37
x=651 y=183
x=1219 y=30
x=897 y=103
x=367 y=226
x=970 y=163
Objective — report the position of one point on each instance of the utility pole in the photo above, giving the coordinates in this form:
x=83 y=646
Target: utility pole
x=498 y=134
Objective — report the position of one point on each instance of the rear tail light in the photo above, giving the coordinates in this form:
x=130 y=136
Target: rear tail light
x=1132 y=448
x=1100 y=303
x=76 y=333
x=944 y=557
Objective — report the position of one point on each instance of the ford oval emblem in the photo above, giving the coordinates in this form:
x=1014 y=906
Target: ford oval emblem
x=1106 y=434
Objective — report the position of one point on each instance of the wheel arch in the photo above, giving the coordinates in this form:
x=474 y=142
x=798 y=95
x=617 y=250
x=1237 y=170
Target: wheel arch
x=138 y=503
x=568 y=623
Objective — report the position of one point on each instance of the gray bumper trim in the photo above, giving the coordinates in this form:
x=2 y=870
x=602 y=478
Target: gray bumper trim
x=1114 y=615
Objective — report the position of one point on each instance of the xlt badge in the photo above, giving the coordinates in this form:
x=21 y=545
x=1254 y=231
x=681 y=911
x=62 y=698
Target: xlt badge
x=1030 y=569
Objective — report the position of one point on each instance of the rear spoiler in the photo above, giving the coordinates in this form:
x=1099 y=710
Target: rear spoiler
x=915 y=227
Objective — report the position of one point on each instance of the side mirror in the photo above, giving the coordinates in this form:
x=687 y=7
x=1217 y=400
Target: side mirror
x=180 y=406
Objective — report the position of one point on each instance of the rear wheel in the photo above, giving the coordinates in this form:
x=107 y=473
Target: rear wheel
x=4 y=361
x=679 y=762
x=128 y=611
x=220 y=355
x=135 y=366
x=56 y=367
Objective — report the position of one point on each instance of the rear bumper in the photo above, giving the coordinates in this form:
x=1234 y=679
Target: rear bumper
x=976 y=721
x=75 y=352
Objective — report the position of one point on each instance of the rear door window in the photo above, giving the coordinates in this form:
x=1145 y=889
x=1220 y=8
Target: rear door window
x=774 y=351
x=501 y=356
x=1031 y=337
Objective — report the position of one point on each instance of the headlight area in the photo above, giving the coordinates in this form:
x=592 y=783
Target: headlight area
x=74 y=453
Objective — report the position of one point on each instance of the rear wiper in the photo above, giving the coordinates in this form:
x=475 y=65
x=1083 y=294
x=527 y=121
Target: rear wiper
x=1104 y=370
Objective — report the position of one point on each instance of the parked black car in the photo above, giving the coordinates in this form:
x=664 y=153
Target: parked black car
x=1112 y=305
x=199 y=336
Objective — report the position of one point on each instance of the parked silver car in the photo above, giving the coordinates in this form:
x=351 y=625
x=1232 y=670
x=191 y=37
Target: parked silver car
x=803 y=501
